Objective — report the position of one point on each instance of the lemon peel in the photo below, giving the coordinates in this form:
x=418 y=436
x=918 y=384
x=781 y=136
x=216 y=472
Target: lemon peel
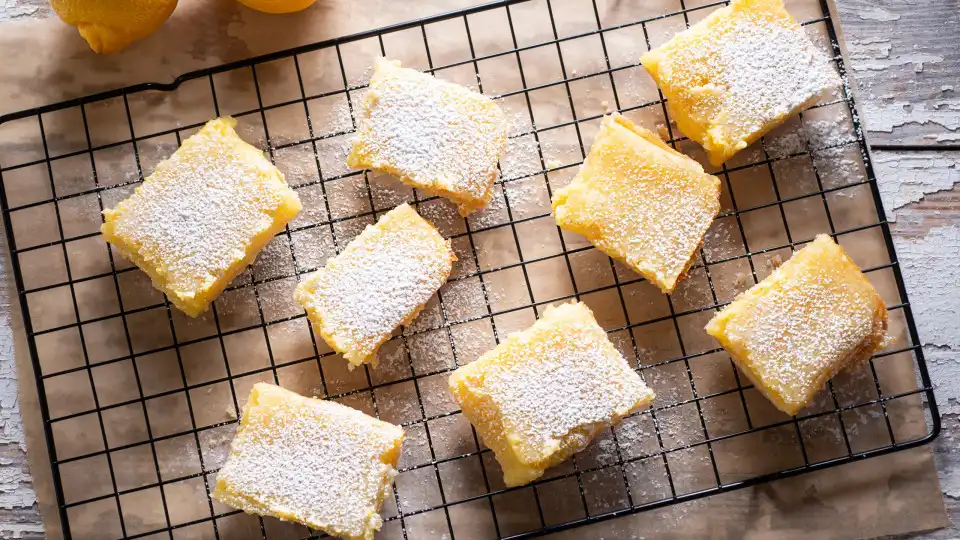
x=109 y=26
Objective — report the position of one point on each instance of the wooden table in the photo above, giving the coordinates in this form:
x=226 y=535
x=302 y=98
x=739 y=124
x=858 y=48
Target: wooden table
x=907 y=65
x=905 y=58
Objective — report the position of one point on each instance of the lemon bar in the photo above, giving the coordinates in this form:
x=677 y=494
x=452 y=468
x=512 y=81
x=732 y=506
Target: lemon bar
x=738 y=73
x=202 y=216
x=311 y=461
x=640 y=201
x=380 y=281
x=544 y=393
x=811 y=318
x=437 y=136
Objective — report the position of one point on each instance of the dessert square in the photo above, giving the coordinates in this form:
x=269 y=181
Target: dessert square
x=811 y=318
x=434 y=135
x=544 y=393
x=640 y=201
x=202 y=216
x=380 y=281
x=311 y=461
x=738 y=73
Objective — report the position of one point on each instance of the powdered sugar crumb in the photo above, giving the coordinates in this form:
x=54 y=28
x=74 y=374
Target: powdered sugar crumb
x=768 y=72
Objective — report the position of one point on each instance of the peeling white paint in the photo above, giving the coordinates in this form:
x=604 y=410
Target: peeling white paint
x=878 y=14
x=886 y=116
x=950 y=482
x=874 y=55
x=16 y=485
x=11 y=429
x=906 y=178
x=868 y=49
x=928 y=264
x=943 y=363
x=884 y=63
x=22 y=9
x=17 y=530
x=949 y=476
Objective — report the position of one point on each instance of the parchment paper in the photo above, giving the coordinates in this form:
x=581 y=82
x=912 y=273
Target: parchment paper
x=889 y=495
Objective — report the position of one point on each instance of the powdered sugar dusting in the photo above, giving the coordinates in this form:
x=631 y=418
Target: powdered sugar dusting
x=768 y=71
x=829 y=132
x=317 y=462
x=785 y=145
x=522 y=157
x=379 y=282
x=547 y=399
x=797 y=358
x=435 y=135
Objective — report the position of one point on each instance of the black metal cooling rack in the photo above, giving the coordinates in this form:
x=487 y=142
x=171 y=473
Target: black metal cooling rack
x=588 y=480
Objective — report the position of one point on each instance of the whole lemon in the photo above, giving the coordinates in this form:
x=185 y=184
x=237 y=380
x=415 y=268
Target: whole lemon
x=110 y=25
x=277 y=6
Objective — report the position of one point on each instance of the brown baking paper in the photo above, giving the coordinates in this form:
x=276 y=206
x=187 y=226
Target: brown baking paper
x=134 y=388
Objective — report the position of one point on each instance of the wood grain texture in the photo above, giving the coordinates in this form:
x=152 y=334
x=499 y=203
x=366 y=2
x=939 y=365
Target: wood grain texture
x=906 y=66
x=905 y=60
x=25 y=9
x=19 y=513
x=906 y=63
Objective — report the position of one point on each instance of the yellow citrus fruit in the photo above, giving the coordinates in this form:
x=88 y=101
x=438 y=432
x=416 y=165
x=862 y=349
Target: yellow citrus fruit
x=277 y=6
x=110 y=25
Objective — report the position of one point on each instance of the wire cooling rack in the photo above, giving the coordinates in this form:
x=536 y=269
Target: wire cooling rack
x=139 y=402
